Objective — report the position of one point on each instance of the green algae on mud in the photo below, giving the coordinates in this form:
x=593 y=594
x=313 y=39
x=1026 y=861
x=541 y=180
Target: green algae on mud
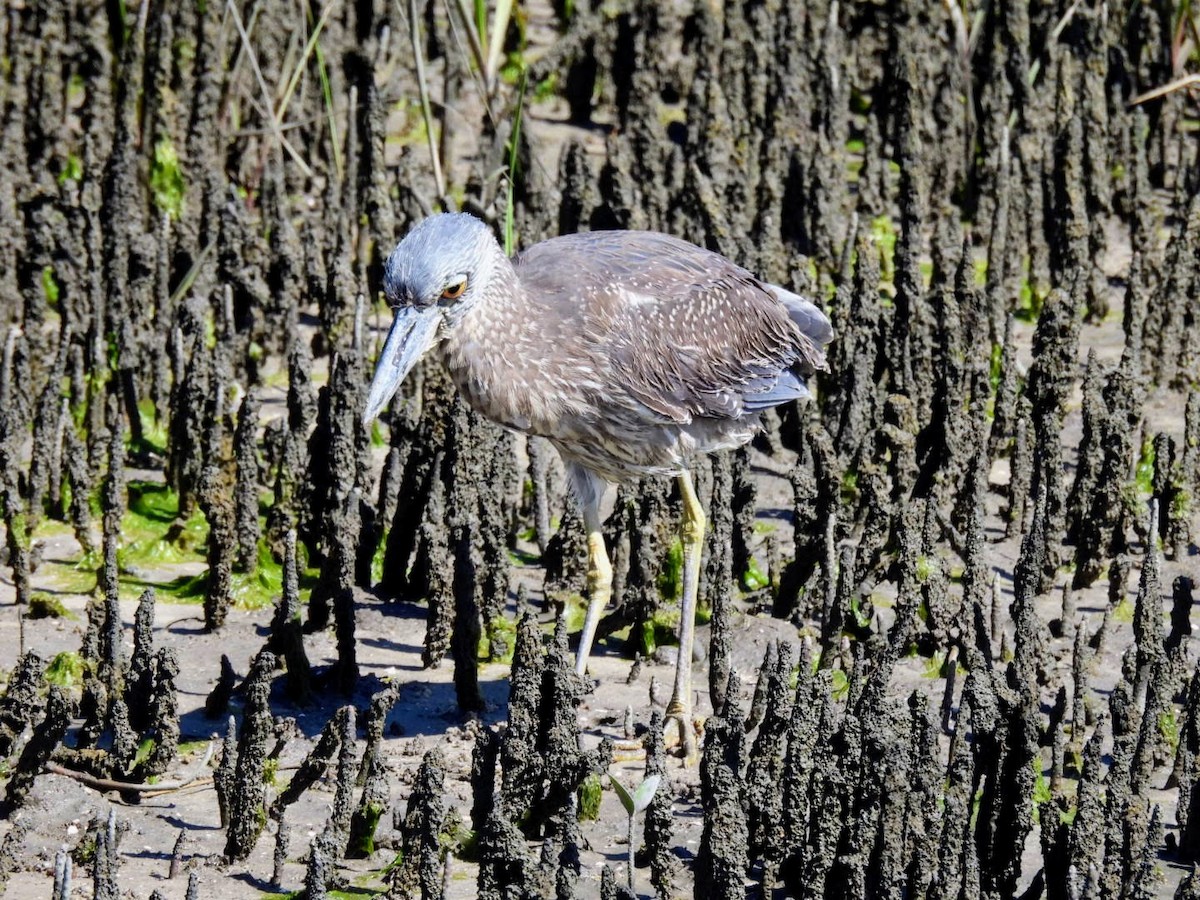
x=44 y=606
x=66 y=670
x=153 y=541
x=248 y=590
x=348 y=893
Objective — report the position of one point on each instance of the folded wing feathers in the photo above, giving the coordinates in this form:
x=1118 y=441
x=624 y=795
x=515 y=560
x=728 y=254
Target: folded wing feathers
x=728 y=349
x=687 y=332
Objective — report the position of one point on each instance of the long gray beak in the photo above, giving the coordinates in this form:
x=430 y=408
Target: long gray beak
x=412 y=334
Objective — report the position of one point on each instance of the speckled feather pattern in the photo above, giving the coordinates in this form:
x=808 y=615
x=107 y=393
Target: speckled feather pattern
x=631 y=351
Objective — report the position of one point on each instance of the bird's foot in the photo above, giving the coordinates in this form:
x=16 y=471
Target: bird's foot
x=629 y=750
x=683 y=738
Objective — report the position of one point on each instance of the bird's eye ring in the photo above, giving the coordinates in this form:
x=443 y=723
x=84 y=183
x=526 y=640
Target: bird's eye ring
x=454 y=291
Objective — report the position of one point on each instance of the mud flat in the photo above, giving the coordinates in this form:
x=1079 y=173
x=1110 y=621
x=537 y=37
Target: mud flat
x=252 y=647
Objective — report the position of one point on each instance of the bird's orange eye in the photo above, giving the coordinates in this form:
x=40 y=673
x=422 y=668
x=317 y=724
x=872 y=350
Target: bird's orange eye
x=455 y=291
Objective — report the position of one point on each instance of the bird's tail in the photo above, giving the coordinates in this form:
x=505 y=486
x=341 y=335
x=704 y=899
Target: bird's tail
x=812 y=322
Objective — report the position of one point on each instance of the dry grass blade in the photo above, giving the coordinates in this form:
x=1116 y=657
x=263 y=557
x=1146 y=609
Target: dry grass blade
x=1178 y=84
x=262 y=84
x=190 y=275
x=414 y=24
x=961 y=32
x=496 y=43
x=1064 y=21
x=473 y=54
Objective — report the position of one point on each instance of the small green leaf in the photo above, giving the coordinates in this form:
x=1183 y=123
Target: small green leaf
x=840 y=688
x=145 y=748
x=862 y=613
x=645 y=792
x=546 y=88
x=647 y=639
x=933 y=666
x=1123 y=611
x=377 y=559
x=1041 y=787
x=50 y=285
x=43 y=606
x=996 y=367
x=1145 y=467
x=754 y=578
x=849 y=490
x=626 y=797
x=1168 y=727
x=72 y=169
x=926 y=568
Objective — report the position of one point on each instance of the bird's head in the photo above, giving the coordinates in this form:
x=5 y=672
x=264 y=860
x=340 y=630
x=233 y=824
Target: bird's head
x=438 y=271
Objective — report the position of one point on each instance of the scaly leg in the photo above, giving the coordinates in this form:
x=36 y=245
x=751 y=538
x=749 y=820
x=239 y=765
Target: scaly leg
x=692 y=536
x=600 y=590
x=590 y=490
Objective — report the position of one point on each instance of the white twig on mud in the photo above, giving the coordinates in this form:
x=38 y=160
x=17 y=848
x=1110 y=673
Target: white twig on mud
x=1064 y=21
x=1179 y=84
x=107 y=784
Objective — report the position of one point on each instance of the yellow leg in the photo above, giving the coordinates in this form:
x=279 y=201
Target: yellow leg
x=599 y=591
x=692 y=537
x=589 y=490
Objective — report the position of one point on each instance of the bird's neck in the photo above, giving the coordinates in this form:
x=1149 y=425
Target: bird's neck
x=481 y=349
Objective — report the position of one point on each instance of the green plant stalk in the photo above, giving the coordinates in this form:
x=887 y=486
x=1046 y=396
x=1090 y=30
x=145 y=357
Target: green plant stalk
x=635 y=803
x=630 y=812
x=513 y=144
x=481 y=24
x=473 y=25
x=632 y=845
x=302 y=62
x=327 y=93
x=670 y=578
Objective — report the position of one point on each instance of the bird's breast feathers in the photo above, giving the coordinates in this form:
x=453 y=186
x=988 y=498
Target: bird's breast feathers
x=532 y=386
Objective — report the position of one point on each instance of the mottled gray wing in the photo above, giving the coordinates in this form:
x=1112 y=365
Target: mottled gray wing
x=685 y=332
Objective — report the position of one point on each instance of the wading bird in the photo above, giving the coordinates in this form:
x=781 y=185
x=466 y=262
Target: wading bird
x=630 y=351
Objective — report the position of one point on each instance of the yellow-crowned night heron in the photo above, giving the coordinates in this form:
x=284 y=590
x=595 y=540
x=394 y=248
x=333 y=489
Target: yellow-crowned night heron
x=630 y=351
